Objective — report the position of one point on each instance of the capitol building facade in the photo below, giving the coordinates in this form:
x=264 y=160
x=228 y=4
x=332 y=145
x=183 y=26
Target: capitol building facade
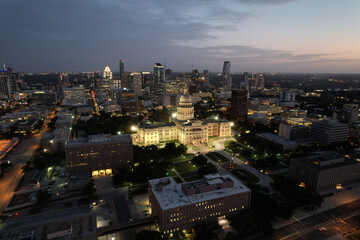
x=183 y=127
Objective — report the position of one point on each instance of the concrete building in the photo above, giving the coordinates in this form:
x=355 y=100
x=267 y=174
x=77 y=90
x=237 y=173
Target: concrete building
x=55 y=141
x=123 y=83
x=44 y=97
x=74 y=96
x=25 y=126
x=110 y=107
x=325 y=172
x=298 y=133
x=99 y=154
x=64 y=121
x=183 y=127
x=182 y=206
x=84 y=113
x=136 y=83
x=159 y=74
x=329 y=131
x=238 y=107
x=272 y=140
x=227 y=79
x=170 y=100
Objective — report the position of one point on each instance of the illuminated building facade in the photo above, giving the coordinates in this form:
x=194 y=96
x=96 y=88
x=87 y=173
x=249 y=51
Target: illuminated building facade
x=99 y=154
x=183 y=206
x=183 y=128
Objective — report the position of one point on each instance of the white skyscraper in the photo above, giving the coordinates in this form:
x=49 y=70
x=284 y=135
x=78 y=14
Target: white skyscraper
x=107 y=73
x=227 y=79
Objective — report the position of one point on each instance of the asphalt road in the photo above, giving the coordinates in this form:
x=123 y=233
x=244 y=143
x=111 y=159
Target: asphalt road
x=336 y=221
x=32 y=220
x=22 y=153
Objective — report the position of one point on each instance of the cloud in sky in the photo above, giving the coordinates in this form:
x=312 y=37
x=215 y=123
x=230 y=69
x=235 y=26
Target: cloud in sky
x=86 y=35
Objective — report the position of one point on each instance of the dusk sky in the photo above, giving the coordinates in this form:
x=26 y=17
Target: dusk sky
x=255 y=35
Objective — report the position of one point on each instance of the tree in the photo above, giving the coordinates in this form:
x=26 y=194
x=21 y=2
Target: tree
x=199 y=161
x=178 y=235
x=272 y=160
x=89 y=188
x=148 y=235
x=207 y=169
x=43 y=197
x=231 y=236
x=121 y=175
x=204 y=232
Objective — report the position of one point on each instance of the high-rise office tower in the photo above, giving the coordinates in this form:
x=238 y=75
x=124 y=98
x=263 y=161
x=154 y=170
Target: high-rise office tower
x=8 y=86
x=159 y=75
x=206 y=77
x=168 y=74
x=238 y=107
x=122 y=73
x=246 y=80
x=146 y=79
x=227 y=80
x=107 y=73
x=136 y=83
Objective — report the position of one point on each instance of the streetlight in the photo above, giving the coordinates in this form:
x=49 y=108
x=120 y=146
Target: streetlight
x=231 y=124
x=133 y=128
x=174 y=115
x=119 y=133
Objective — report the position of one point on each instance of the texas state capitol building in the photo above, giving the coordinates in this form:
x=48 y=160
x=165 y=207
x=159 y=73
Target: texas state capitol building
x=183 y=127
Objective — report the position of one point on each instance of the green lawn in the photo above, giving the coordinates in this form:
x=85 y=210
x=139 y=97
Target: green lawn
x=185 y=157
x=217 y=157
x=245 y=176
x=185 y=167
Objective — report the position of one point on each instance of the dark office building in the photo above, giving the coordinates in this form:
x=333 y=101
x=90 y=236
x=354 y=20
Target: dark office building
x=238 y=107
x=325 y=172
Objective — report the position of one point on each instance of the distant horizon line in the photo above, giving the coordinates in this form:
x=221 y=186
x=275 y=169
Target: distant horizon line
x=183 y=72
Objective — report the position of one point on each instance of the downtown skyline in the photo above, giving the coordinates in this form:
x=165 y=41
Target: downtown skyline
x=255 y=36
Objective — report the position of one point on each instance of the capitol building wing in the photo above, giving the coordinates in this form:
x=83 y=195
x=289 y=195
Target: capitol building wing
x=183 y=128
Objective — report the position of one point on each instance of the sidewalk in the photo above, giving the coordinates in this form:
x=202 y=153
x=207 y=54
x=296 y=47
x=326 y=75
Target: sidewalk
x=340 y=198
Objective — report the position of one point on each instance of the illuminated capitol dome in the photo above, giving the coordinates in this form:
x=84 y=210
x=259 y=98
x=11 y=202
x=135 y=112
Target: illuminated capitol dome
x=185 y=110
x=184 y=128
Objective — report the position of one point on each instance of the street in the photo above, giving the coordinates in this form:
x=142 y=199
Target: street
x=335 y=221
x=21 y=154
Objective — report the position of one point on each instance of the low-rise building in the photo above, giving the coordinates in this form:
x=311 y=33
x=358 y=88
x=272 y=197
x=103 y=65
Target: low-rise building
x=325 y=172
x=275 y=141
x=181 y=206
x=329 y=131
x=297 y=133
x=64 y=121
x=55 y=141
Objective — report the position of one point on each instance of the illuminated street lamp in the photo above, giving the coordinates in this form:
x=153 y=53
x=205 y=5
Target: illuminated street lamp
x=231 y=124
x=174 y=115
x=119 y=133
x=133 y=128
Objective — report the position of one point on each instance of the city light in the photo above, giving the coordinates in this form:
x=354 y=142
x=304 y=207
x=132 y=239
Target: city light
x=231 y=124
x=119 y=133
x=174 y=115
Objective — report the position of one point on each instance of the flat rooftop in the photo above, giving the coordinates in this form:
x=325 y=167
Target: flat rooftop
x=172 y=195
x=99 y=139
x=325 y=160
x=275 y=138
